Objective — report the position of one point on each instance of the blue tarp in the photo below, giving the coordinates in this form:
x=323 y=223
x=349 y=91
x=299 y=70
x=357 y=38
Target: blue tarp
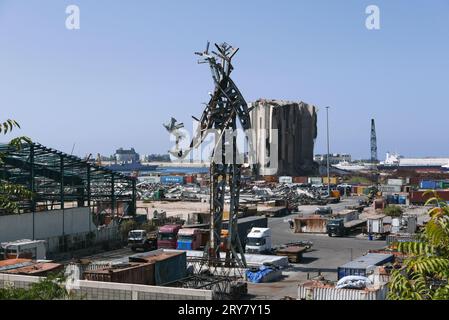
x=256 y=277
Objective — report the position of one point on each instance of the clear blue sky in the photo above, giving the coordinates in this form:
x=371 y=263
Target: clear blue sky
x=131 y=67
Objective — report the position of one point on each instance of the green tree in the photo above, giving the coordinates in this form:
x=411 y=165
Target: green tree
x=49 y=288
x=393 y=211
x=424 y=274
x=11 y=193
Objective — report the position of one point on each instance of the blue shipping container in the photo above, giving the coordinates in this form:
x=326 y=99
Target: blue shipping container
x=402 y=199
x=362 y=265
x=390 y=199
x=428 y=185
x=396 y=199
x=172 y=180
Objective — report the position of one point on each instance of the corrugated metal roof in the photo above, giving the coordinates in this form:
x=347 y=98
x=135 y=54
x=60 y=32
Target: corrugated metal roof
x=10 y=264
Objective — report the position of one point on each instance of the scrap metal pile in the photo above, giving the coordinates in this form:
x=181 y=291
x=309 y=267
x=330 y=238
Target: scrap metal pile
x=294 y=194
x=157 y=191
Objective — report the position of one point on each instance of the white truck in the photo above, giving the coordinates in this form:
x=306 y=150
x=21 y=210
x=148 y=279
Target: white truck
x=27 y=249
x=259 y=241
x=140 y=239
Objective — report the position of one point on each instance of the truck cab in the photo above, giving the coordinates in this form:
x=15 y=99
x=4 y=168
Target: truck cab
x=259 y=241
x=191 y=239
x=167 y=236
x=27 y=249
x=140 y=239
x=336 y=227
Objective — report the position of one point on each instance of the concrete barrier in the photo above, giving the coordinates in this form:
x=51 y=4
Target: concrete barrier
x=93 y=290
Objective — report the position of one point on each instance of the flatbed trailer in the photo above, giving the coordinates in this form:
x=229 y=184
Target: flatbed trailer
x=294 y=253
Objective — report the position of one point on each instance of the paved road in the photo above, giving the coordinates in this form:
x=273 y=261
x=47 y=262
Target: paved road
x=326 y=255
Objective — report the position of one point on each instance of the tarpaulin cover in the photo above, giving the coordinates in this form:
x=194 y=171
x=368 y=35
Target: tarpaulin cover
x=353 y=282
x=257 y=277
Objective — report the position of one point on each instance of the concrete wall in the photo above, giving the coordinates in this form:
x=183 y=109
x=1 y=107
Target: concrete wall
x=93 y=290
x=47 y=224
x=293 y=126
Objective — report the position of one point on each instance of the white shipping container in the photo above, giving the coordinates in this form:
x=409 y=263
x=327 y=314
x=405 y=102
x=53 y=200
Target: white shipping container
x=323 y=293
x=286 y=180
x=390 y=188
x=150 y=179
x=395 y=182
x=376 y=226
x=316 y=180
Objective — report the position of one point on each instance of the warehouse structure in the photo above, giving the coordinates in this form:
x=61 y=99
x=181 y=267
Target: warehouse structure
x=283 y=137
x=59 y=180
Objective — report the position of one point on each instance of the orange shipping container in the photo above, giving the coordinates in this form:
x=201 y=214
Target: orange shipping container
x=271 y=179
x=300 y=180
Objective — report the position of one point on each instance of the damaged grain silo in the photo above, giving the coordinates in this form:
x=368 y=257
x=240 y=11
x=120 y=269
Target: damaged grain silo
x=283 y=136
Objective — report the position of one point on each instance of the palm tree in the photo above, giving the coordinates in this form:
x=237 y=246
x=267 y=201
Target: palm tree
x=10 y=193
x=424 y=274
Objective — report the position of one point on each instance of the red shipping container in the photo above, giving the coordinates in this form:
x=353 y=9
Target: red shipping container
x=189 y=179
x=271 y=179
x=418 y=197
x=300 y=180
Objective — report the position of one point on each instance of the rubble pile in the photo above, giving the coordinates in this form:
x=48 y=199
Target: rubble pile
x=157 y=191
x=294 y=194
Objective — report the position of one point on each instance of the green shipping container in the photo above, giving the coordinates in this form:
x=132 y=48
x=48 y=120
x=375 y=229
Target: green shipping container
x=445 y=185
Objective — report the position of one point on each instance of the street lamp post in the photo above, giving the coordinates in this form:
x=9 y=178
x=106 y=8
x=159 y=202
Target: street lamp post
x=328 y=154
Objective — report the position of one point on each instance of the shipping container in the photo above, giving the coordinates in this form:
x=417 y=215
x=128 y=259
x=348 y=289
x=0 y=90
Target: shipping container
x=150 y=179
x=403 y=199
x=445 y=185
x=286 y=180
x=395 y=182
x=168 y=266
x=404 y=237
x=190 y=179
x=134 y=273
x=361 y=190
x=271 y=179
x=172 y=180
x=332 y=180
x=418 y=197
x=363 y=265
x=316 y=180
x=414 y=181
x=428 y=184
x=313 y=292
x=389 y=188
x=301 y=180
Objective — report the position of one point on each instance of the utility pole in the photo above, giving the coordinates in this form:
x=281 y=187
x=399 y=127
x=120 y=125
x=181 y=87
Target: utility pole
x=328 y=154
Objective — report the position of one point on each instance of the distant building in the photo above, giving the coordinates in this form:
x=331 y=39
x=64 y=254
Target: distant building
x=283 y=135
x=155 y=158
x=334 y=158
x=126 y=156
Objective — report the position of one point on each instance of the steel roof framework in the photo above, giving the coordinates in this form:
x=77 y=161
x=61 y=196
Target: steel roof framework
x=57 y=179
